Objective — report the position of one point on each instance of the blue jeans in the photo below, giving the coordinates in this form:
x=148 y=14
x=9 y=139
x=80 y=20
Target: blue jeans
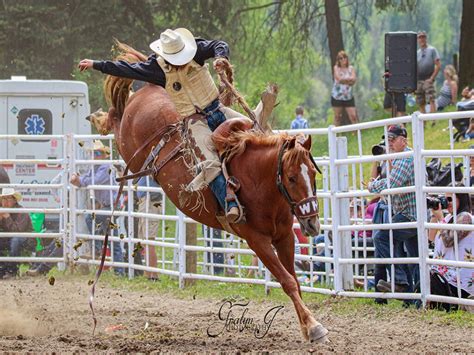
x=402 y=239
x=217 y=258
x=218 y=187
x=17 y=246
x=100 y=228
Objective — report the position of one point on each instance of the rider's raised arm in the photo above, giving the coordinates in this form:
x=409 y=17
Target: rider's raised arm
x=210 y=49
x=148 y=71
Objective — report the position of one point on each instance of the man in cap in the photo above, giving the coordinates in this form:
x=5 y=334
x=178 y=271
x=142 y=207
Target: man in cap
x=429 y=66
x=101 y=175
x=13 y=223
x=178 y=65
x=397 y=173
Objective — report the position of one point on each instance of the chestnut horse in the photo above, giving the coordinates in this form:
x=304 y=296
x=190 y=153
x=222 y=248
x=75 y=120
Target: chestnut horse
x=258 y=161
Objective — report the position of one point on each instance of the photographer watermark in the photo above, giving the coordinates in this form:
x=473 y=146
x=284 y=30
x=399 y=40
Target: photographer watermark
x=235 y=317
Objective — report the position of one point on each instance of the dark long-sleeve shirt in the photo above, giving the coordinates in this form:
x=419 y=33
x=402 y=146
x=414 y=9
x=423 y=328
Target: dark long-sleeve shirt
x=151 y=72
x=16 y=222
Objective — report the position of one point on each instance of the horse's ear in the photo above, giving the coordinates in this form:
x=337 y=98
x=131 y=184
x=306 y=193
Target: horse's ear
x=291 y=143
x=307 y=143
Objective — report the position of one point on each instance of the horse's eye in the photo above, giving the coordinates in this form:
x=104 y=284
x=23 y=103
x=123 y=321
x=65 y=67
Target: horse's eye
x=292 y=179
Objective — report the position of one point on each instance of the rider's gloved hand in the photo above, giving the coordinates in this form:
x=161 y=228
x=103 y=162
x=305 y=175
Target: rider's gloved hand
x=220 y=64
x=85 y=64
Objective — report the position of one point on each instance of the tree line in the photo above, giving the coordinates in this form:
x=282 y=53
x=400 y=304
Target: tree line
x=290 y=42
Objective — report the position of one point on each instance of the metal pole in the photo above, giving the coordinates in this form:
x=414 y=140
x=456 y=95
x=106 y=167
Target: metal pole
x=421 y=215
x=345 y=244
x=333 y=173
x=65 y=226
x=181 y=251
x=72 y=202
x=131 y=234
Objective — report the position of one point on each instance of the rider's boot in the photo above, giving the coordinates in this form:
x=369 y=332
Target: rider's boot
x=218 y=187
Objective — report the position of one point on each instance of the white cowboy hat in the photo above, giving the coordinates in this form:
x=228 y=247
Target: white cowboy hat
x=9 y=191
x=177 y=47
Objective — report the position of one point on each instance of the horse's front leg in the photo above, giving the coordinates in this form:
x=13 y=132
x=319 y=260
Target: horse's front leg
x=261 y=245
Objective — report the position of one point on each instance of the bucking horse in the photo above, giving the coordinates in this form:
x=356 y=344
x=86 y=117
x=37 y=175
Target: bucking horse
x=276 y=173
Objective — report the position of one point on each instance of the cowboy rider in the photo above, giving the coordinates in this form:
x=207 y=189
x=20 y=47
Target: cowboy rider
x=178 y=65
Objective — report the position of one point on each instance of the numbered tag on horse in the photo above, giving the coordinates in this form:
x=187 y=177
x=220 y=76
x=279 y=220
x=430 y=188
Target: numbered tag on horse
x=307 y=208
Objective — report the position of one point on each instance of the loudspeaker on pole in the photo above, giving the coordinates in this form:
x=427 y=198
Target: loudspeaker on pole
x=400 y=62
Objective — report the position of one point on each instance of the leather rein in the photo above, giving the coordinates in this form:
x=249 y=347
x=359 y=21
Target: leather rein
x=166 y=132
x=307 y=207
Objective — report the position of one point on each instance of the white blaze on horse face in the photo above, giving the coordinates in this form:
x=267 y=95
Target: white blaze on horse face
x=305 y=173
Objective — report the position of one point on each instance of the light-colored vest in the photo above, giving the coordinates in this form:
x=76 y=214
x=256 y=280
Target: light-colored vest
x=190 y=85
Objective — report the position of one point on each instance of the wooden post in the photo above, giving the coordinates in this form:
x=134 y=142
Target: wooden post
x=191 y=256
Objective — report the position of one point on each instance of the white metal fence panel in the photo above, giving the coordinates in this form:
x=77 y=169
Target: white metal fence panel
x=330 y=264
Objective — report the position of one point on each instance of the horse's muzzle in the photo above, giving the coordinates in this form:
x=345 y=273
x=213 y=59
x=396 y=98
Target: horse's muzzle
x=310 y=226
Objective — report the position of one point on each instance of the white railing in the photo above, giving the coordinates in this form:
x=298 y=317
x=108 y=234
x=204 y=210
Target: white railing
x=341 y=181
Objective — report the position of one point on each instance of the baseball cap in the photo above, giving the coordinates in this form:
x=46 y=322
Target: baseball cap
x=395 y=131
x=421 y=34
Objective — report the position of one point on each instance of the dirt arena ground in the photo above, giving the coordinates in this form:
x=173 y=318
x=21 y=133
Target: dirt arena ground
x=37 y=317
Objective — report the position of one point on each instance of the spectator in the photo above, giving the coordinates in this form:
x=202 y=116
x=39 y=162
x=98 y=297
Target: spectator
x=449 y=91
x=299 y=122
x=400 y=103
x=357 y=211
x=429 y=66
x=470 y=131
x=149 y=202
x=471 y=170
x=213 y=238
x=471 y=177
x=55 y=247
x=4 y=179
x=14 y=223
x=444 y=248
x=100 y=175
x=341 y=96
x=403 y=210
x=467 y=95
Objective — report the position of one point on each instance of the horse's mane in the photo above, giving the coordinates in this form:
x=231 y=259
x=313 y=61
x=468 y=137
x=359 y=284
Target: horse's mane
x=236 y=143
x=116 y=89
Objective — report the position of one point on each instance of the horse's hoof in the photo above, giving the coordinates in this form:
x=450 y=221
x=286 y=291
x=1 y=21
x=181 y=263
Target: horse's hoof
x=318 y=334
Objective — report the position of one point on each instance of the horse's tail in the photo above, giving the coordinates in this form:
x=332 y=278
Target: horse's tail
x=116 y=89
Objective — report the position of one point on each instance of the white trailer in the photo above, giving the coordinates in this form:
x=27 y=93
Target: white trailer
x=39 y=107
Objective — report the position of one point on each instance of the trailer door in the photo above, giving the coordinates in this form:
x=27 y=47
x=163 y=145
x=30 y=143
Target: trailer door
x=34 y=116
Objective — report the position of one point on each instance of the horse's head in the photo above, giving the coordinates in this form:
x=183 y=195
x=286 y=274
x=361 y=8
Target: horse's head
x=99 y=120
x=297 y=182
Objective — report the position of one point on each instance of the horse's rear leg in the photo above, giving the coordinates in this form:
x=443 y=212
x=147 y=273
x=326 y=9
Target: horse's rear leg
x=261 y=245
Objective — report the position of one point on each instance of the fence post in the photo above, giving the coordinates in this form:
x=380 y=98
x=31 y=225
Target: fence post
x=421 y=208
x=181 y=251
x=333 y=177
x=66 y=198
x=131 y=231
x=72 y=201
x=327 y=253
x=191 y=256
x=345 y=244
